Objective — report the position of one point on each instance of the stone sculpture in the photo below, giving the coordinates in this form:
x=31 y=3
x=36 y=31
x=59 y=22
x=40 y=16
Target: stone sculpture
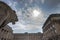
x=7 y=15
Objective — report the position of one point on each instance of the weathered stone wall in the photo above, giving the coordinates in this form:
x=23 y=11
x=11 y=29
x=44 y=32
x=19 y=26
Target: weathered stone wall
x=51 y=30
x=28 y=36
x=6 y=33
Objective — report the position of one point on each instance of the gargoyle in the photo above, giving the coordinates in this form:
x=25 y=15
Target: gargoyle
x=7 y=15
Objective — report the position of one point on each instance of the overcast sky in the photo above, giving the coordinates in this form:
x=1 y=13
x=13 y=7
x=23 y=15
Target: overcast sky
x=32 y=13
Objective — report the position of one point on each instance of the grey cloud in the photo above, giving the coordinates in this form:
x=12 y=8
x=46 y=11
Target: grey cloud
x=52 y=3
x=26 y=21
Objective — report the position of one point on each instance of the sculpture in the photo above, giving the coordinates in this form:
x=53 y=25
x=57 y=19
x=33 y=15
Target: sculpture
x=7 y=15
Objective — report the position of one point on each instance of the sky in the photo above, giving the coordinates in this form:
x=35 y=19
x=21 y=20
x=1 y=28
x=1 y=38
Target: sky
x=32 y=14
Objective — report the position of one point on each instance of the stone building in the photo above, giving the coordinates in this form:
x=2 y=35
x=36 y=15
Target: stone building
x=51 y=28
x=6 y=33
x=27 y=36
x=35 y=36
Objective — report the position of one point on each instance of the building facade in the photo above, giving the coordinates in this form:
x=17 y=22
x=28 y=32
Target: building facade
x=6 y=33
x=27 y=36
x=35 y=36
x=51 y=28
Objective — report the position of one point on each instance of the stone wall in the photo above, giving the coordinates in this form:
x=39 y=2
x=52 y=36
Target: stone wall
x=51 y=28
x=27 y=36
x=6 y=33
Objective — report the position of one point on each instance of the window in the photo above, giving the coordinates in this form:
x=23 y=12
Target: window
x=4 y=39
x=2 y=30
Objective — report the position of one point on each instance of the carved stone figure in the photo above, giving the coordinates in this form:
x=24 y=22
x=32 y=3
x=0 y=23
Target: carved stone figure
x=7 y=15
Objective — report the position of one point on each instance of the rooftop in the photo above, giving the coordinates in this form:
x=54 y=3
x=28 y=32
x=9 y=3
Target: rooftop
x=49 y=18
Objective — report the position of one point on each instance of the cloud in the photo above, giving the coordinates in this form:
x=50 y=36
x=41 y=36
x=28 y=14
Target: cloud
x=52 y=3
x=28 y=28
x=42 y=1
x=24 y=10
x=31 y=1
x=30 y=23
x=13 y=4
x=26 y=20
